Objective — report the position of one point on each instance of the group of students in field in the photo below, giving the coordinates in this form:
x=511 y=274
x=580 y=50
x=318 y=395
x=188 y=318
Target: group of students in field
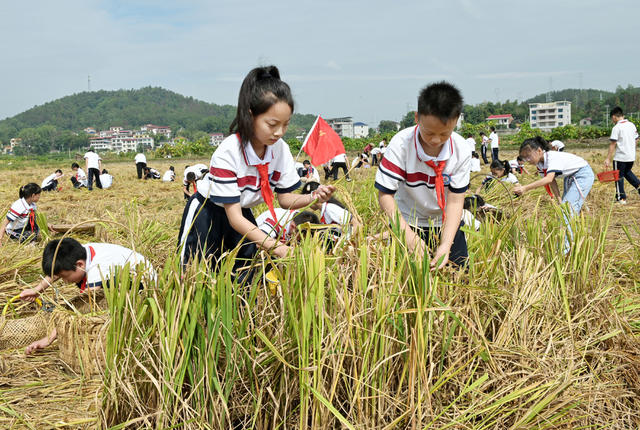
x=422 y=180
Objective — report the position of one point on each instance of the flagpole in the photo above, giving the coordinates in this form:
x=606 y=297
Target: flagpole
x=307 y=138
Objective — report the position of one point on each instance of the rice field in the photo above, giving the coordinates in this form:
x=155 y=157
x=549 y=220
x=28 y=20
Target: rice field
x=364 y=337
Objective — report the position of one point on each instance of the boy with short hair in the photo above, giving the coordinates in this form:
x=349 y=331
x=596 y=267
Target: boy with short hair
x=483 y=147
x=50 y=183
x=310 y=173
x=494 y=140
x=88 y=266
x=622 y=149
x=141 y=163
x=79 y=179
x=94 y=165
x=424 y=174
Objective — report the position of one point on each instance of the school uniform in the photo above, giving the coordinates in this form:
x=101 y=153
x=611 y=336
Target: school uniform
x=475 y=164
x=339 y=162
x=470 y=220
x=103 y=260
x=515 y=166
x=300 y=169
x=374 y=155
x=495 y=145
x=106 y=180
x=625 y=134
x=79 y=179
x=483 y=149
x=404 y=172
x=311 y=175
x=169 y=176
x=141 y=163
x=152 y=174
x=283 y=228
x=50 y=183
x=205 y=230
x=472 y=143
x=557 y=145
x=93 y=165
x=509 y=178
x=197 y=170
x=22 y=224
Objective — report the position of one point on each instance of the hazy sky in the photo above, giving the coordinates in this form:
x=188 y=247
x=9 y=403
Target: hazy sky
x=366 y=59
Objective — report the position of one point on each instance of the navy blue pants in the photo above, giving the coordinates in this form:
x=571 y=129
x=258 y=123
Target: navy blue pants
x=458 y=254
x=625 y=173
x=205 y=232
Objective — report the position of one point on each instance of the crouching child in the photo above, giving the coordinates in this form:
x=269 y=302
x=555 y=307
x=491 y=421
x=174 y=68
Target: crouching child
x=88 y=266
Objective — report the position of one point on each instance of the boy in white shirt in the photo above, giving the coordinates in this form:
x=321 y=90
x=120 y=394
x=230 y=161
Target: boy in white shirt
x=94 y=165
x=472 y=142
x=79 y=179
x=50 y=183
x=141 y=163
x=624 y=136
x=483 y=147
x=494 y=140
x=423 y=177
x=339 y=162
x=169 y=175
x=106 y=179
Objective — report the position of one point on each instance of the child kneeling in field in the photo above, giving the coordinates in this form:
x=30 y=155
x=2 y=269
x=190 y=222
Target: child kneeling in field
x=285 y=227
x=20 y=222
x=424 y=174
x=578 y=175
x=501 y=171
x=88 y=266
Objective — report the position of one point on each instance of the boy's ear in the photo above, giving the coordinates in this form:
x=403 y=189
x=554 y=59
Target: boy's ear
x=416 y=117
x=82 y=264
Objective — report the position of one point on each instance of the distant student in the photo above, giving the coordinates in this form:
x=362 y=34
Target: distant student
x=310 y=173
x=517 y=165
x=375 y=155
x=494 y=140
x=622 y=148
x=88 y=266
x=475 y=162
x=151 y=173
x=94 y=165
x=483 y=147
x=169 y=175
x=244 y=168
x=106 y=179
x=339 y=162
x=420 y=164
x=557 y=145
x=20 y=222
x=359 y=162
x=50 y=183
x=499 y=170
x=578 y=176
x=285 y=226
x=141 y=163
x=471 y=142
x=79 y=179
x=192 y=174
x=332 y=211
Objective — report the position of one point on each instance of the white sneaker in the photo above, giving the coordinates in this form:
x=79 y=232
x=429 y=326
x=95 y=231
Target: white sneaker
x=622 y=201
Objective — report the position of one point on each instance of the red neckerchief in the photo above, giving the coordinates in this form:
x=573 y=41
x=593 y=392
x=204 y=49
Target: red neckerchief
x=546 y=187
x=265 y=188
x=83 y=284
x=32 y=219
x=438 y=167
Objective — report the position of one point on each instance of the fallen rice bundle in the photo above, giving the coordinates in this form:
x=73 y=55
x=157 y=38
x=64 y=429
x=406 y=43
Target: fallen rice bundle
x=81 y=340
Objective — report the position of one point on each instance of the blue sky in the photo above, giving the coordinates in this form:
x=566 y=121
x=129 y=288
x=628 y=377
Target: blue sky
x=366 y=59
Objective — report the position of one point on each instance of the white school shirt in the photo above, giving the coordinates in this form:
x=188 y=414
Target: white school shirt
x=103 y=258
x=470 y=220
x=562 y=163
x=514 y=164
x=495 y=140
x=355 y=162
x=313 y=175
x=197 y=170
x=48 y=180
x=331 y=213
x=404 y=173
x=558 y=145
x=376 y=151
x=472 y=143
x=169 y=176
x=625 y=135
x=93 y=160
x=509 y=178
x=106 y=180
x=234 y=178
x=340 y=158
x=282 y=228
x=141 y=158
x=485 y=140
x=18 y=214
x=81 y=176
x=475 y=165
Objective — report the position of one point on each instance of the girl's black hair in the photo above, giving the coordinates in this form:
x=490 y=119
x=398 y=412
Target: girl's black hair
x=336 y=202
x=501 y=164
x=473 y=202
x=261 y=89
x=104 y=172
x=306 y=216
x=58 y=171
x=171 y=168
x=28 y=190
x=75 y=166
x=534 y=143
x=310 y=187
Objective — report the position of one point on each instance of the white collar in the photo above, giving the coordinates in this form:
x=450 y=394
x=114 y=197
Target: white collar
x=252 y=159
x=445 y=153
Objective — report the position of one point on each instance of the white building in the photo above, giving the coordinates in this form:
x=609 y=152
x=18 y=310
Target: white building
x=502 y=120
x=360 y=129
x=157 y=129
x=547 y=116
x=216 y=139
x=343 y=126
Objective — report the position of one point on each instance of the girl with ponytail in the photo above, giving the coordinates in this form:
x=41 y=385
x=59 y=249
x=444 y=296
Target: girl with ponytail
x=20 y=222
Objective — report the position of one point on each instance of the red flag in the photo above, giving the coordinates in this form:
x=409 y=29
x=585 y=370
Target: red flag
x=322 y=143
